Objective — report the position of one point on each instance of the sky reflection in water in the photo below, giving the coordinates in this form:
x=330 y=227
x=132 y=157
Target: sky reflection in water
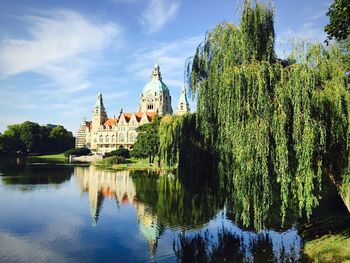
x=62 y=213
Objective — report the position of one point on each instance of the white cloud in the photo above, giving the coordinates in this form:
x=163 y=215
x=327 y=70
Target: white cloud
x=308 y=33
x=171 y=56
x=158 y=12
x=21 y=250
x=62 y=46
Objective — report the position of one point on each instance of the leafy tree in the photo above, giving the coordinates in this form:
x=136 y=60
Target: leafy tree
x=11 y=144
x=13 y=130
x=339 y=15
x=270 y=127
x=62 y=140
x=147 y=143
x=30 y=135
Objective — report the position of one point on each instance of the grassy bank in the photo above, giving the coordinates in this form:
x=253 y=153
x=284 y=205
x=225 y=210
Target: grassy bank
x=328 y=239
x=329 y=248
x=59 y=156
x=131 y=164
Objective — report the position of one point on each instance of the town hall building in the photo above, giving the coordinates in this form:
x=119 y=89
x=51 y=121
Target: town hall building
x=103 y=134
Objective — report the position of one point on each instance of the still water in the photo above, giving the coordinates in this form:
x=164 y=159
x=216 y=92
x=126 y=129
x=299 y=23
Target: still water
x=52 y=212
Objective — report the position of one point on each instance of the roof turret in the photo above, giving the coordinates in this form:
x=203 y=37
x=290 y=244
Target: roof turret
x=155 y=85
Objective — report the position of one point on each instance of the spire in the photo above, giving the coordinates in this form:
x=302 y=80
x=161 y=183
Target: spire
x=99 y=101
x=156 y=72
x=99 y=115
x=99 y=107
x=182 y=106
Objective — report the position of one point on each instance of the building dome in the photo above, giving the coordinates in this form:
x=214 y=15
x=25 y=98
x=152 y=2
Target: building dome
x=155 y=85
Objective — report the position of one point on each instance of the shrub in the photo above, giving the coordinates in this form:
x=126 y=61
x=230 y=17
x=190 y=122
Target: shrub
x=110 y=160
x=77 y=152
x=125 y=153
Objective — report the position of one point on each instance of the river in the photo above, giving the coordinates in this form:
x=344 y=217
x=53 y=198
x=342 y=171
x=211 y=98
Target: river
x=58 y=212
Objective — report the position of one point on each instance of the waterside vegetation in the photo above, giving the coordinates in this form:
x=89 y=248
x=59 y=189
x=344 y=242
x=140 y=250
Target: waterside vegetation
x=270 y=127
x=31 y=138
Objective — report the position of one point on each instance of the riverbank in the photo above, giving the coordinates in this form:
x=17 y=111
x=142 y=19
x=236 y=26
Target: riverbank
x=109 y=162
x=132 y=164
x=59 y=156
x=327 y=239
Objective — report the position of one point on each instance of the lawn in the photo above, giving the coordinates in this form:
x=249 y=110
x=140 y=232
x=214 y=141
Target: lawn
x=328 y=239
x=51 y=156
x=329 y=248
x=133 y=163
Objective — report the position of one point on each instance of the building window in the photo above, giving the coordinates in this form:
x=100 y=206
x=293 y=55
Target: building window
x=132 y=137
x=95 y=140
x=121 y=137
x=149 y=106
x=101 y=138
x=113 y=138
x=107 y=138
x=181 y=106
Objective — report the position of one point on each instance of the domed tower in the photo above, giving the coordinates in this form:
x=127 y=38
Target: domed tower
x=155 y=96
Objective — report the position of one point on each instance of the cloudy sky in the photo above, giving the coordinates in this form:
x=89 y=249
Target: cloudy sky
x=55 y=56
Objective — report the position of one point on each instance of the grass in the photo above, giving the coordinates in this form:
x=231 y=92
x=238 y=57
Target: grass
x=51 y=156
x=328 y=239
x=329 y=248
x=132 y=164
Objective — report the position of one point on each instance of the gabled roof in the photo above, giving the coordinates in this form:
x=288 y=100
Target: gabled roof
x=110 y=122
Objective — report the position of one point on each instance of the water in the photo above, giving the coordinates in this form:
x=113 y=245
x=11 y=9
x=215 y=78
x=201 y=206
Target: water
x=53 y=212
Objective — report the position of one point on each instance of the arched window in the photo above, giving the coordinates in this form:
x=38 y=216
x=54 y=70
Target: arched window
x=95 y=140
x=101 y=138
x=107 y=139
x=181 y=106
x=113 y=138
x=121 y=137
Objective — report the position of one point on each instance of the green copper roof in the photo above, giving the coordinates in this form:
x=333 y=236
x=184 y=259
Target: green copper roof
x=150 y=232
x=154 y=85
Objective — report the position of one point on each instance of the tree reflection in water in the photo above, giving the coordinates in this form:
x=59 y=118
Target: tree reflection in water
x=163 y=203
x=21 y=173
x=228 y=246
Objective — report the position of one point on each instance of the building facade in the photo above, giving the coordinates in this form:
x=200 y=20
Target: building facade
x=103 y=134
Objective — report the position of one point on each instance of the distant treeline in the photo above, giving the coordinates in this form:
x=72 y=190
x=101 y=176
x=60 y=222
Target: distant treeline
x=30 y=137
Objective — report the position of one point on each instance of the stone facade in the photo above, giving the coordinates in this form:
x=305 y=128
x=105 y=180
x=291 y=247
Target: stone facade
x=103 y=134
x=182 y=107
x=155 y=96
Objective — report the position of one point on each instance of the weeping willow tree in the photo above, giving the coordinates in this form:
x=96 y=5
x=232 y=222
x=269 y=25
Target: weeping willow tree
x=271 y=126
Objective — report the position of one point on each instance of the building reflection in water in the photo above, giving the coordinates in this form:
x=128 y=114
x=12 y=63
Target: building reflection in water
x=118 y=185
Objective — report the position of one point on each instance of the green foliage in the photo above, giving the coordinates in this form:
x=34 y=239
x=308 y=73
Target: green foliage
x=147 y=143
x=271 y=127
x=111 y=160
x=11 y=144
x=30 y=137
x=174 y=205
x=339 y=15
x=125 y=153
x=61 y=139
x=77 y=152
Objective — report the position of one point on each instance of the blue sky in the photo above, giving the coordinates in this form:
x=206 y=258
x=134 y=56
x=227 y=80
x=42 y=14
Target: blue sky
x=55 y=56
